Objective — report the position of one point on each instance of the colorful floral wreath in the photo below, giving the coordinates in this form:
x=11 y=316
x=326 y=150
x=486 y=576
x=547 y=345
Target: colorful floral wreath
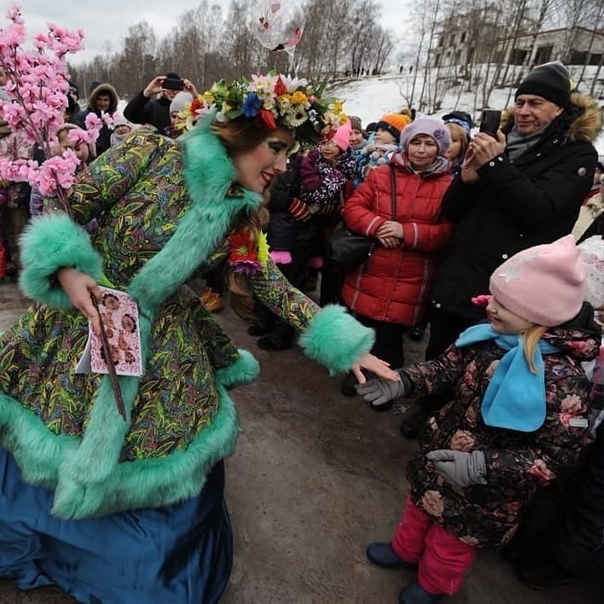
x=272 y=100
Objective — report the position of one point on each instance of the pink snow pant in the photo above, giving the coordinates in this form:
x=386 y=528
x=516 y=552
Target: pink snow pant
x=442 y=558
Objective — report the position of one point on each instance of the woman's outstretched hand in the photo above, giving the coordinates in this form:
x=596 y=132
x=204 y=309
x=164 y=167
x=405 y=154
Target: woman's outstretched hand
x=79 y=288
x=377 y=366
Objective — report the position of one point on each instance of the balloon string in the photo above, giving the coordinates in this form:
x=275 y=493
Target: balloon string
x=292 y=65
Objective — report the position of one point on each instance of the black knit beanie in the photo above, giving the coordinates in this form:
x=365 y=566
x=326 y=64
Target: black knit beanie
x=550 y=81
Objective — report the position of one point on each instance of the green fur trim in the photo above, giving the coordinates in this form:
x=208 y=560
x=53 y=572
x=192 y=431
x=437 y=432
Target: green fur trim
x=153 y=482
x=37 y=451
x=243 y=371
x=51 y=242
x=87 y=476
x=131 y=485
x=99 y=451
x=209 y=173
x=335 y=339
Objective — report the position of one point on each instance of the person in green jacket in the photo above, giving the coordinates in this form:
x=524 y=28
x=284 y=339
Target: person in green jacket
x=129 y=507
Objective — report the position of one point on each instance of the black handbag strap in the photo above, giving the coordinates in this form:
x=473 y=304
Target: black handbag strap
x=393 y=191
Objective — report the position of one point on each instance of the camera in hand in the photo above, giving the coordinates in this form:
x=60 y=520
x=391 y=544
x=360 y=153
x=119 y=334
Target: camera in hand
x=173 y=84
x=490 y=121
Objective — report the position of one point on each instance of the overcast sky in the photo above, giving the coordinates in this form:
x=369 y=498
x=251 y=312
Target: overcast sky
x=104 y=21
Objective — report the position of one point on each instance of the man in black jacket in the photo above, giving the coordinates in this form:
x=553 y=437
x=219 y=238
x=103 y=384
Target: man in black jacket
x=144 y=109
x=523 y=188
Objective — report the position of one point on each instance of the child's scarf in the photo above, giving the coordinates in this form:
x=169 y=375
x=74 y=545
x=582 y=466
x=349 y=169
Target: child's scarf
x=515 y=396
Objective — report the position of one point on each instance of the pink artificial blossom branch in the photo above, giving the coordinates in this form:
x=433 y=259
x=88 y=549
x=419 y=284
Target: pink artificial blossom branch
x=38 y=81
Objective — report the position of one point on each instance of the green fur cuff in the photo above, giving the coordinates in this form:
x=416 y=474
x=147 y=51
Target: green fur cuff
x=51 y=242
x=335 y=339
x=243 y=371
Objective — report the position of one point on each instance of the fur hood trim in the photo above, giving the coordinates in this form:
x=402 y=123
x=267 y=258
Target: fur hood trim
x=584 y=119
x=209 y=174
x=588 y=124
x=104 y=89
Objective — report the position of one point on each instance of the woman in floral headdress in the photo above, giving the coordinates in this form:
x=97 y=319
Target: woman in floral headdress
x=132 y=510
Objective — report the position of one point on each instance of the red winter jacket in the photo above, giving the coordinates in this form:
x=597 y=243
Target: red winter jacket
x=393 y=285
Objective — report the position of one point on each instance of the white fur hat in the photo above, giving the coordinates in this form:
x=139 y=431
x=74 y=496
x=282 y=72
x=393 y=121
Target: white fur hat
x=592 y=254
x=180 y=101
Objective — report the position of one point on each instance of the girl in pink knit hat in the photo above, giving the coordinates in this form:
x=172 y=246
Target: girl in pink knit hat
x=518 y=418
x=305 y=204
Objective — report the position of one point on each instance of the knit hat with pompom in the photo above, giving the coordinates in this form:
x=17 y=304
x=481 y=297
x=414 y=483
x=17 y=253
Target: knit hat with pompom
x=430 y=126
x=544 y=284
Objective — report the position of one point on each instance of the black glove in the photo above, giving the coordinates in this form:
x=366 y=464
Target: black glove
x=378 y=392
x=459 y=468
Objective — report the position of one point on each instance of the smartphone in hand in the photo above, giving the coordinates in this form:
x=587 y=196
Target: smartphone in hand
x=490 y=120
x=173 y=84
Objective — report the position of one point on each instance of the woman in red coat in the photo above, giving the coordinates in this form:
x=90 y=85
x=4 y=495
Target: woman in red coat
x=390 y=291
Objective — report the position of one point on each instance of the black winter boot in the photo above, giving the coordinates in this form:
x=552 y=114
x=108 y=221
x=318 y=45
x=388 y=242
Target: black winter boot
x=414 y=593
x=383 y=555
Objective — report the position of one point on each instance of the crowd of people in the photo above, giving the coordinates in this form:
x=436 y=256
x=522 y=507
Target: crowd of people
x=154 y=107
x=471 y=241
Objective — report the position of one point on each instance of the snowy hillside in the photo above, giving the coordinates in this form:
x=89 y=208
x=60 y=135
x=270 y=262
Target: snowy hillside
x=372 y=97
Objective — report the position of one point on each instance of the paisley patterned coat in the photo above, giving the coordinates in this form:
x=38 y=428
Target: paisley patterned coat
x=165 y=211
x=517 y=462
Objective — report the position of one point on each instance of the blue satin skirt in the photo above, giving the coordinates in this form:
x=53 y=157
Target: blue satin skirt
x=180 y=554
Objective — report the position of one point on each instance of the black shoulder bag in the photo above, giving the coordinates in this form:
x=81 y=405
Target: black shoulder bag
x=349 y=249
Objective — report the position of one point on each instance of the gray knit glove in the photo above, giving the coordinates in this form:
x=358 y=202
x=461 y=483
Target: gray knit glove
x=459 y=468
x=378 y=392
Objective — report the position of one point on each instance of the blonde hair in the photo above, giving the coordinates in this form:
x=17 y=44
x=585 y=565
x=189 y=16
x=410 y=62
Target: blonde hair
x=458 y=133
x=531 y=337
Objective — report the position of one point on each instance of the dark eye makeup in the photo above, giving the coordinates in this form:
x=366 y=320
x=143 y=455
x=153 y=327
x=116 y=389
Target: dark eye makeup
x=278 y=146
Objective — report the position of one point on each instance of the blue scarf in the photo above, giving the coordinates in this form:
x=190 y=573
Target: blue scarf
x=515 y=396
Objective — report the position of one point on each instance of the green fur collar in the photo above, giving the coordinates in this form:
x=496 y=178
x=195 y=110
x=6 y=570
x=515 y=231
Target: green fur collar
x=209 y=174
x=89 y=475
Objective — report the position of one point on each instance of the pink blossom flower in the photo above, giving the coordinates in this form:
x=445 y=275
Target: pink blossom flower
x=14 y=13
x=38 y=83
x=13 y=35
x=40 y=41
x=107 y=119
x=92 y=121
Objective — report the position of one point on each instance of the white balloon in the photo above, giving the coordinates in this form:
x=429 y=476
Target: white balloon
x=278 y=24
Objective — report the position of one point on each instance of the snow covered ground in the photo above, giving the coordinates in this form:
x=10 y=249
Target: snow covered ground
x=372 y=97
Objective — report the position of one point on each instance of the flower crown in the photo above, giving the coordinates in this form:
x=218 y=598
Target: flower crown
x=271 y=100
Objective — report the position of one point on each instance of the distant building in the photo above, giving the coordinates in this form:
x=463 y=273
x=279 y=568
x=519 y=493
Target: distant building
x=458 y=45
x=572 y=46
